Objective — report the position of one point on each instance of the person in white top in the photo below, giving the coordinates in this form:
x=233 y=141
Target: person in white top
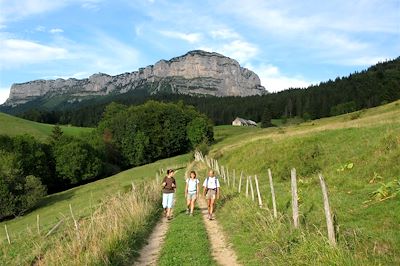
x=191 y=192
x=211 y=190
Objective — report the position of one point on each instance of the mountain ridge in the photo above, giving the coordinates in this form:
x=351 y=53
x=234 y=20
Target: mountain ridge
x=195 y=73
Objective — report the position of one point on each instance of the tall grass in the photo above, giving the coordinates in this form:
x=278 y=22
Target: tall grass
x=111 y=235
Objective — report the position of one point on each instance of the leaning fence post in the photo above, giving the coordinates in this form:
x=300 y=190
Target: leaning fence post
x=54 y=228
x=272 y=193
x=295 y=206
x=240 y=182
x=8 y=236
x=258 y=192
x=329 y=223
x=251 y=188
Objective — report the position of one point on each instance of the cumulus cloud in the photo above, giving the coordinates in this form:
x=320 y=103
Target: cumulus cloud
x=4 y=93
x=273 y=80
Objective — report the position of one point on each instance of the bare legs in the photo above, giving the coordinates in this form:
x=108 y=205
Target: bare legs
x=210 y=207
x=190 y=204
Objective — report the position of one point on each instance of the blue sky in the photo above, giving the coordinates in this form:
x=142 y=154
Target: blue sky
x=287 y=43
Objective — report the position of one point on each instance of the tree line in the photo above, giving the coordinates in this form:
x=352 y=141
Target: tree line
x=126 y=137
x=377 y=85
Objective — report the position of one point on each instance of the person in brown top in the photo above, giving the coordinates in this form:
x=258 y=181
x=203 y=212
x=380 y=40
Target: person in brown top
x=169 y=187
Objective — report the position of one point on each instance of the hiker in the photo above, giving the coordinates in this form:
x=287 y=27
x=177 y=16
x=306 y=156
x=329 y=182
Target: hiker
x=211 y=189
x=169 y=187
x=191 y=192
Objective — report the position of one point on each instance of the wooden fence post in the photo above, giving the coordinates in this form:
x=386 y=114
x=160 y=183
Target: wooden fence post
x=8 y=236
x=38 y=224
x=54 y=228
x=272 y=193
x=251 y=189
x=227 y=175
x=295 y=206
x=329 y=223
x=247 y=187
x=233 y=178
x=240 y=182
x=258 y=192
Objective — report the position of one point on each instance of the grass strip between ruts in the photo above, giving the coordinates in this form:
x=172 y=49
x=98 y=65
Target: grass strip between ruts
x=186 y=242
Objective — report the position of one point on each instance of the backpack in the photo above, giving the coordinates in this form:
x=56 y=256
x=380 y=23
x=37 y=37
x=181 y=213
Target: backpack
x=216 y=178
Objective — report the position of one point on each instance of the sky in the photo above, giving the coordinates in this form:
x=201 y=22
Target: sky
x=287 y=43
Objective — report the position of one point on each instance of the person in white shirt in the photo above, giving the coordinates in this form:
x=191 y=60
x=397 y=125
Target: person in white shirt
x=191 y=192
x=211 y=190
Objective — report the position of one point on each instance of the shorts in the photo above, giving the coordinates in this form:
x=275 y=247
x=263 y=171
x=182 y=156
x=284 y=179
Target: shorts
x=192 y=196
x=211 y=194
x=168 y=200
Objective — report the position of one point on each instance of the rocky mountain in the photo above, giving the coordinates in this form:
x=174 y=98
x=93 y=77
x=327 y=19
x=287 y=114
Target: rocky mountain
x=195 y=73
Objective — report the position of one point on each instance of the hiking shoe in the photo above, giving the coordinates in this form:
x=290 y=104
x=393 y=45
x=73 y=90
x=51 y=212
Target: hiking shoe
x=187 y=211
x=191 y=214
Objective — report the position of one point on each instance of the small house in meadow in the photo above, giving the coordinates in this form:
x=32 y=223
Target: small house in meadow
x=243 y=122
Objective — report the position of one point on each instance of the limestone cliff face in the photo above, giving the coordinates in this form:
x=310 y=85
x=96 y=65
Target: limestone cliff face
x=195 y=73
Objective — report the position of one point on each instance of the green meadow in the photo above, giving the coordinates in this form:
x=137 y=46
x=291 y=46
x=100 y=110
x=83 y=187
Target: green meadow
x=359 y=156
x=12 y=126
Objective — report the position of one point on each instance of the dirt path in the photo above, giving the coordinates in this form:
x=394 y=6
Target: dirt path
x=150 y=252
x=221 y=250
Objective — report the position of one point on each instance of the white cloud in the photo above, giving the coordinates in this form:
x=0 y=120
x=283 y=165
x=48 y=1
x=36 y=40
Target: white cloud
x=224 y=33
x=56 y=30
x=40 y=28
x=188 y=37
x=4 y=93
x=240 y=50
x=14 y=10
x=91 y=4
x=16 y=52
x=332 y=32
x=273 y=80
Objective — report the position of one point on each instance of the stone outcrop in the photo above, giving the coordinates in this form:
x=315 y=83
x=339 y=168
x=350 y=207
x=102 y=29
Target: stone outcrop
x=196 y=73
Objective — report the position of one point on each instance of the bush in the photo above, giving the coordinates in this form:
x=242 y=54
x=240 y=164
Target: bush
x=76 y=160
x=17 y=192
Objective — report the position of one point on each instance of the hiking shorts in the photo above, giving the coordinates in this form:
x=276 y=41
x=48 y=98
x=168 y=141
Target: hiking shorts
x=211 y=194
x=168 y=200
x=191 y=196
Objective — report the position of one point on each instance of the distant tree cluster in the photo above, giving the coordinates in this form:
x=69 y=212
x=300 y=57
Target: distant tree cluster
x=144 y=133
x=125 y=137
x=377 y=85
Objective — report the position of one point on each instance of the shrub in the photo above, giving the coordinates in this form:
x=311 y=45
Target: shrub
x=76 y=160
x=17 y=193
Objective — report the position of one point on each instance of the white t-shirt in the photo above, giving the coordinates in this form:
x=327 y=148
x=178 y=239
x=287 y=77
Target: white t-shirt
x=213 y=183
x=192 y=184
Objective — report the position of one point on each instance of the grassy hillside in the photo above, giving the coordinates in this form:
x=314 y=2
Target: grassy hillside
x=11 y=125
x=82 y=199
x=367 y=222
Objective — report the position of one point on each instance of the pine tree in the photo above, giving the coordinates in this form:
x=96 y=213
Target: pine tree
x=266 y=118
x=56 y=133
